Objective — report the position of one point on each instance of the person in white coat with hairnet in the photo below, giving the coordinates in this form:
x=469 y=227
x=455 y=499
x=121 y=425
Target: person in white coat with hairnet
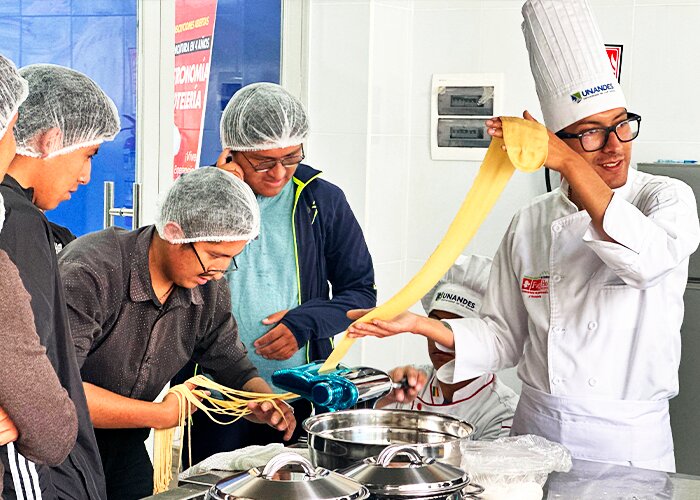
x=484 y=401
x=586 y=290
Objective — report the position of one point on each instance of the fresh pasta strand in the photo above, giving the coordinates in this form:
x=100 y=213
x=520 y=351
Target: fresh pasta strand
x=526 y=144
x=233 y=407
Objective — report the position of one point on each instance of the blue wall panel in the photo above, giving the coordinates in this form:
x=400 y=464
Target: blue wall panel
x=99 y=39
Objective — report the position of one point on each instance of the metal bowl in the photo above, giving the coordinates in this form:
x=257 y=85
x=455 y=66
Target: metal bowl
x=344 y=438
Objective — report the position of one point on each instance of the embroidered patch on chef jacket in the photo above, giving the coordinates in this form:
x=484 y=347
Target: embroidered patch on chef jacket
x=535 y=286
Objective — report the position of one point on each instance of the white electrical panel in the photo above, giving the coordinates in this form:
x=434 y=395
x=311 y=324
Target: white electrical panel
x=460 y=104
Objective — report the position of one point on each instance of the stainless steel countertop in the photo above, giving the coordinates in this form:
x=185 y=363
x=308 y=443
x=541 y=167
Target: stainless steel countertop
x=586 y=480
x=592 y=480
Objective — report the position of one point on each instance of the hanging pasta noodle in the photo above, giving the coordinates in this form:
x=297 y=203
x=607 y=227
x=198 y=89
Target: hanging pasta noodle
x=526 y=144
x=228 y=410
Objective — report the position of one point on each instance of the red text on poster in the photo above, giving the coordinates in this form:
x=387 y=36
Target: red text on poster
x=194 y=36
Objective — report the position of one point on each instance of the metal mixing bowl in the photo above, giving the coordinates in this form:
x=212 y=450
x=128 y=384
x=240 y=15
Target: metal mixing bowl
x=343 y=438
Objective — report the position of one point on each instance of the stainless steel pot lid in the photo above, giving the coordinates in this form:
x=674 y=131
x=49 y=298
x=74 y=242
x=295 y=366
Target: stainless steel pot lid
x=419 y=477
x=272 y=483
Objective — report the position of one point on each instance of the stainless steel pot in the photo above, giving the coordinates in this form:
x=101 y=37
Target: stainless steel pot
x=419 y=478
x=341 y=439
x=273 y=483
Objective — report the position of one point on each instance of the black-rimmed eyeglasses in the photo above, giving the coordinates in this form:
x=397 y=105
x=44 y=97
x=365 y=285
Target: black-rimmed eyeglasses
x=209 y=273
x=287 y=161
x=595 y=139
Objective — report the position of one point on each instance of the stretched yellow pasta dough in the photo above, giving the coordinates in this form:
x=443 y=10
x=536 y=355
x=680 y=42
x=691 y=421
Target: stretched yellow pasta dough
x=526 y=144
x=234 y=406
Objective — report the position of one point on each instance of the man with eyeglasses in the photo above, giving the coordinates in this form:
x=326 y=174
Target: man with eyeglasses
x=586 y=290
x=310 y=242
x=142 y=303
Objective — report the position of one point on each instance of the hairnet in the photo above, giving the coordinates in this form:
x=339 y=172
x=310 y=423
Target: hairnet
x=68 y=100
x=462 y=288
x=263 y=116
x=209 y=204
x=13 y=92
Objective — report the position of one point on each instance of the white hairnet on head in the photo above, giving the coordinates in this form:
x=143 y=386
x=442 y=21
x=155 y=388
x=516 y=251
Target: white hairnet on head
x=66 y=99
x=263 y=116
x=209 y=204
x=13 y=92
x=462 y=288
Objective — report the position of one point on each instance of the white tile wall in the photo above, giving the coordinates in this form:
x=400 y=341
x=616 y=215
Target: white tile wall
x=343 y=160
x=436 y=193
x=390 y=278
x=371 y=64
x=338 y=76
x=503 y=51
x=444 y=41
x=665 y=81
x=662 y=3
x=385 y=353
x=386 y=229
x=389 y=65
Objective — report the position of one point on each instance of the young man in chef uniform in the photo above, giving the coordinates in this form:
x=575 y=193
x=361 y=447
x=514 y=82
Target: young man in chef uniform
x=586 y=290
x=485 y=402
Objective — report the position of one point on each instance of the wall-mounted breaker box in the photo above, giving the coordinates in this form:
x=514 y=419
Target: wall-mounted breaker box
x=460 y=103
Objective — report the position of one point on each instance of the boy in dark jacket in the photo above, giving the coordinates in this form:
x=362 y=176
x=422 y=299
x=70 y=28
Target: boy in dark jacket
x=59 y=129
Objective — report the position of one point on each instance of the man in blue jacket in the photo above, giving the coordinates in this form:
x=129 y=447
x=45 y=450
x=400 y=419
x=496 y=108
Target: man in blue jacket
x=310 y=242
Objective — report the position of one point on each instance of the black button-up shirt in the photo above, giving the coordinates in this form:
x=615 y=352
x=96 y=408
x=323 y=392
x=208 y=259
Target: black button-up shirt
x=128 y=342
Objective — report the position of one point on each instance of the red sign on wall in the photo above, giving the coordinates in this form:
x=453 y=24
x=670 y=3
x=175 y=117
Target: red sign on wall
x=615 y=56
x=194 y=36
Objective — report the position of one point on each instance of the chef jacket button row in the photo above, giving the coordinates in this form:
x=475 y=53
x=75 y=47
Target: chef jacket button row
x=556 y=228
x=592 y=325
x=591 y=381
x=556 y=278
x=558 y=329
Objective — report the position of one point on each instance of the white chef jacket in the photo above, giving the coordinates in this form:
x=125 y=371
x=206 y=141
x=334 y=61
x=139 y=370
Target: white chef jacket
x=585 y=318
x=486 y=403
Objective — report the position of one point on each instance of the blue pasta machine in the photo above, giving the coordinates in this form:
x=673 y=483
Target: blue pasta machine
x=340 y=389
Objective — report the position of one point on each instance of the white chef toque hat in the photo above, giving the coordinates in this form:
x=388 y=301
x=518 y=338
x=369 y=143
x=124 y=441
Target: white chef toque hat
x=573 y=75
x=461 y=289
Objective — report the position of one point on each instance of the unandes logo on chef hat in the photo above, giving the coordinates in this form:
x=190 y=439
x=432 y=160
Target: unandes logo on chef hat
x=573 y=76
x=592 y=92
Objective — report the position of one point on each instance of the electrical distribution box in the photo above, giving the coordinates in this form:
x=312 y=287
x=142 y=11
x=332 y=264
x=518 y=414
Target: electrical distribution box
x=460 y=103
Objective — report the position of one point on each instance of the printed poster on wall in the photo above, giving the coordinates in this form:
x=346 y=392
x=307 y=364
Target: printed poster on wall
x=194 y=36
